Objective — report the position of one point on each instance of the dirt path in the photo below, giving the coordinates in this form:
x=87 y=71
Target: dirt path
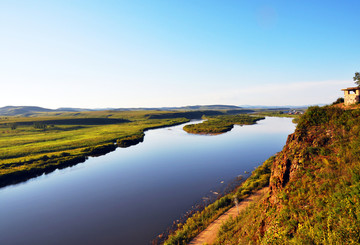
x=208 y=236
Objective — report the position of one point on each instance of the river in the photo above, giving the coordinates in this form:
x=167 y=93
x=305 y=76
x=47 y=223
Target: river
x=132 y=194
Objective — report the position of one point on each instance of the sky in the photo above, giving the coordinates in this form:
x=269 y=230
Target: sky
x=110 y=54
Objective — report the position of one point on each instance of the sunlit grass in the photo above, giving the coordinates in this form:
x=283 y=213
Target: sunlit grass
x=28 y=147
x=220 y=124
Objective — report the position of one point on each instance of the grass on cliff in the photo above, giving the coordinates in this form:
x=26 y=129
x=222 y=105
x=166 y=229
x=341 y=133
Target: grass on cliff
x=315 y=185
x=220 y=124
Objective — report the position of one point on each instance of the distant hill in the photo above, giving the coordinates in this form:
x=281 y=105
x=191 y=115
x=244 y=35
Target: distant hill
x=31 y=110
x=21 y=110
x=284 y=107
x=194 y=107
x=69 y=109
x=211 y=107
x=232 y=109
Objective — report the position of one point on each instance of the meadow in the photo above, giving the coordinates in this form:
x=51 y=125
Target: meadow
x=30 y=146
x=42 y=142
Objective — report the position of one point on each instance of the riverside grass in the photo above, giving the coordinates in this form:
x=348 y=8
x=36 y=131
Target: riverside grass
x=29 y=150
x=201 y=219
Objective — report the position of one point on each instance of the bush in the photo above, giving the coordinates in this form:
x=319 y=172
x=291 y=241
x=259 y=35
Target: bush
x=338 y=101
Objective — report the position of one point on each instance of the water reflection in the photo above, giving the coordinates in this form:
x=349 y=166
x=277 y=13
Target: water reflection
x=130 y=195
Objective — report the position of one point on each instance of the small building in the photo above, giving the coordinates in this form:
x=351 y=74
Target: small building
x=351 y=95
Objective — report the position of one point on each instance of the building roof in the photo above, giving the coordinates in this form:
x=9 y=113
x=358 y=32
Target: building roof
x=350 y=89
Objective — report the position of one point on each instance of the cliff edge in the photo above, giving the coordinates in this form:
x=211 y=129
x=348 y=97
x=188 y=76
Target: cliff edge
x=314 y=190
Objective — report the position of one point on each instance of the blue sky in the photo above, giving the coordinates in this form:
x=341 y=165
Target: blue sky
x=172 y=53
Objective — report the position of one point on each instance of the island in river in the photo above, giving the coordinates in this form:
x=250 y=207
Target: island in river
x=45 y=141
x=131 y=195
x=313 y=193
x=220 y=124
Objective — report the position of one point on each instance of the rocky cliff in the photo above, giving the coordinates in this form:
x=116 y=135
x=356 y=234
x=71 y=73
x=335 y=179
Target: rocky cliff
x=314 y=195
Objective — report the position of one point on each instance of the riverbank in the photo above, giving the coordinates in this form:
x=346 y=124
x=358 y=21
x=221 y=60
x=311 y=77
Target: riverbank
x=45 y=164
x=34 y=146
x=199 y=221
x=128 y=189
x=208 y=236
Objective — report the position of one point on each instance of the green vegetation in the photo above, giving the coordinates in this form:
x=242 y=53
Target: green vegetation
x=357 y=78
x=201 y=219
x=220 y=124
x=279 y=114
x=30 y=146
x=315 y=186
x=45 y=141
x=338 y=101
x=259 y=178
x=276 y=114
x=13 y=126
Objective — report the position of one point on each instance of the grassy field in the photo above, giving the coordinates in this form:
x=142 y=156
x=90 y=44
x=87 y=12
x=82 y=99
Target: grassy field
x=43 y=142
x=30 y=146
x=220 y=124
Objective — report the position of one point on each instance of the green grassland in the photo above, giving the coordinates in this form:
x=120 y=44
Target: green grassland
x=43 y=142
x=221 y=124
x=48 y=141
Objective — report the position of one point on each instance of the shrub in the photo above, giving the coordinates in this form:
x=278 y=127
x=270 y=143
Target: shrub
x=338 y=101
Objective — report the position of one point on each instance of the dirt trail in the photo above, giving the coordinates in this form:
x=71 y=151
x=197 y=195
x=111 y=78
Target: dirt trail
x=208 y=236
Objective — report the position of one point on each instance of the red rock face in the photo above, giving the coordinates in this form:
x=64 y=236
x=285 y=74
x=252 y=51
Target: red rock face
x=281 y=169
x=294 y=154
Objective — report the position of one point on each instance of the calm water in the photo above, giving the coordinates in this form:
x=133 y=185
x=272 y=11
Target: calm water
x=131 y=195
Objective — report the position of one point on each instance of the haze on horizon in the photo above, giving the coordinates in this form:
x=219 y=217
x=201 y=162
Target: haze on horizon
x=98 y=54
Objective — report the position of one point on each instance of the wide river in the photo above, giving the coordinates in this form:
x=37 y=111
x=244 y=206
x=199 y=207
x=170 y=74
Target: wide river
x=131 y=195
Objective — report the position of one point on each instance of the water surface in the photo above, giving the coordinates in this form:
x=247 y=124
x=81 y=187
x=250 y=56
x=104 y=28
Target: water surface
x=131 y=195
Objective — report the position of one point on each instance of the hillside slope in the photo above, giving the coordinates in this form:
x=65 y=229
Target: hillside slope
x=314 y=195
x=21 y=110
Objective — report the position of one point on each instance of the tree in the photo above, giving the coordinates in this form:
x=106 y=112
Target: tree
x=40 y=125
x=13 y=126
x=357 y=78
